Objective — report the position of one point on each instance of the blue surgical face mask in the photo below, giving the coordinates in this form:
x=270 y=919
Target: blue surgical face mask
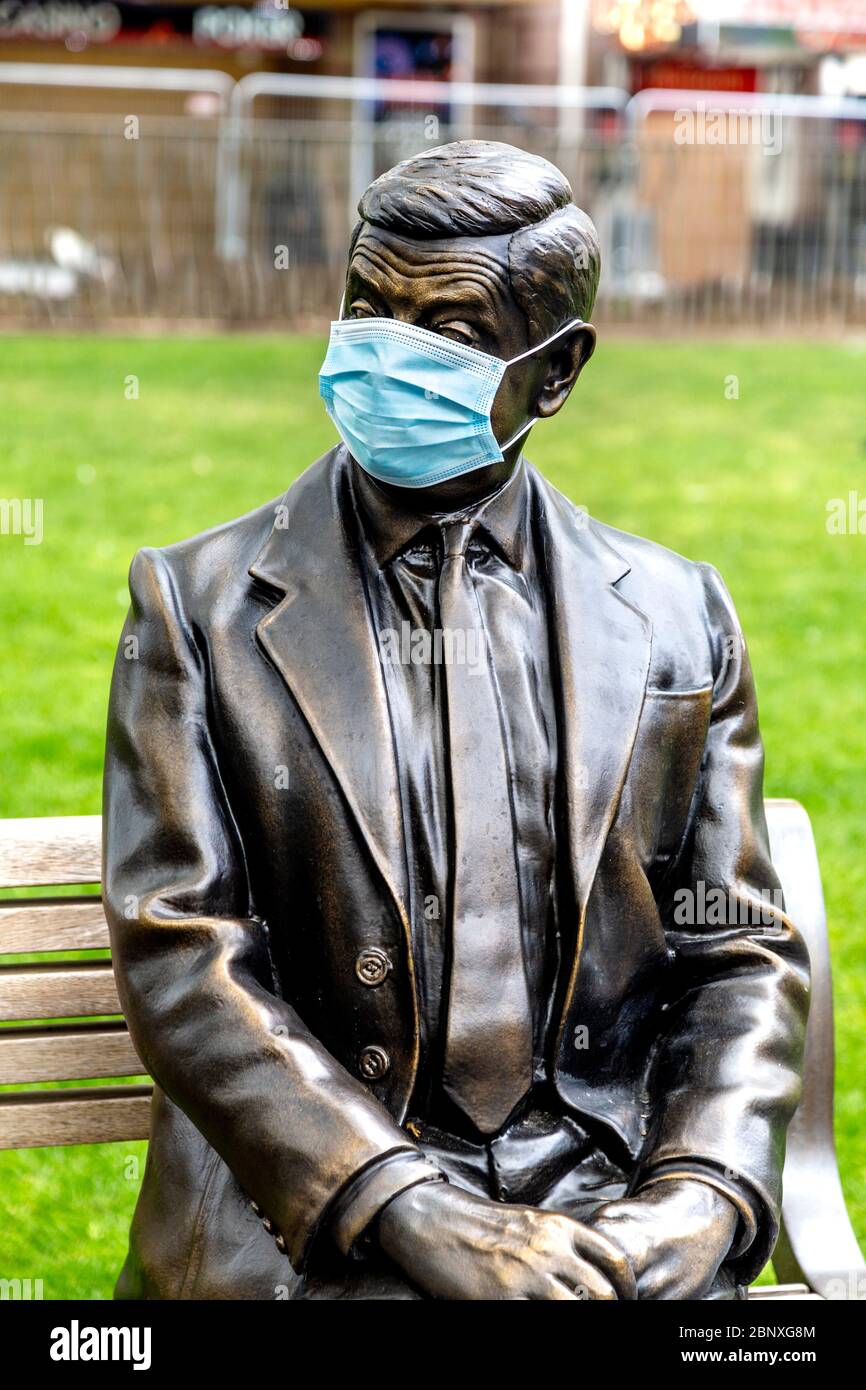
x=411 y=406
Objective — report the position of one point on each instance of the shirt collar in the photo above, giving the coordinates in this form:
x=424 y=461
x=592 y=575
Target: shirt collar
x=389 y=527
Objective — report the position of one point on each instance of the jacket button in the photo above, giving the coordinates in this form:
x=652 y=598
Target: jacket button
x=373 y=1063
x=372 y=966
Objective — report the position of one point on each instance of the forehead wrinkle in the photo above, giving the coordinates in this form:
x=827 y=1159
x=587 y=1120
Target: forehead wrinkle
x=474 y=266
x=462 y=294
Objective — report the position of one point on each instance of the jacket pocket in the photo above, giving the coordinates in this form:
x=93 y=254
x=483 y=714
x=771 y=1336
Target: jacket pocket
x=664 y=769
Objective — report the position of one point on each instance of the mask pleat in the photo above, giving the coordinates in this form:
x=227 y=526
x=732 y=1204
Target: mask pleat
x=396 y=408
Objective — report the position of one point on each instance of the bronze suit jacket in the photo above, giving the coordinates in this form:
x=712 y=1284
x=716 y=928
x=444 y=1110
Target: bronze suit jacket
x=253 y=849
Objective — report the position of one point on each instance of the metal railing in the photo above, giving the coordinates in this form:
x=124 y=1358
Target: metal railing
x=89 y=77
x=244 y=217
x=357 y=100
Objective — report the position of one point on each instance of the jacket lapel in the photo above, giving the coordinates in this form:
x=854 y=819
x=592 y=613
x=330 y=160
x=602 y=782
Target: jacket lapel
x=603 y=643
x=320 y=639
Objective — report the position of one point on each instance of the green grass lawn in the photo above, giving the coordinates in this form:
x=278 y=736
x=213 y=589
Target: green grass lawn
x=651 y=443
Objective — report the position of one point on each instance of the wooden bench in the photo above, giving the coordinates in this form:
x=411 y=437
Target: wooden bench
x=37 y=854
x=816 y=1256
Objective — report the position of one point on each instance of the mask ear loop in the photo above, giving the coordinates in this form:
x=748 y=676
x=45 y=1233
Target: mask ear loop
x=523 y=429
x=566 y=327
x=574 y=323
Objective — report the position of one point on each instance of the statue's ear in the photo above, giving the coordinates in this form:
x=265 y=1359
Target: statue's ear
x=565 y=363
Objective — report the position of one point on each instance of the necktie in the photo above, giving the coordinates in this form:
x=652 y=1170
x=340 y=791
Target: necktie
x=488 y=1045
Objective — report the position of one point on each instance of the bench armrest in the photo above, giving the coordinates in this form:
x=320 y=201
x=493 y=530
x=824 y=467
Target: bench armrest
x=817 y=1245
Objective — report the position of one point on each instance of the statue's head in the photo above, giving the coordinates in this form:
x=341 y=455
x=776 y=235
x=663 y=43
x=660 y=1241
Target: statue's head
x=482 y=244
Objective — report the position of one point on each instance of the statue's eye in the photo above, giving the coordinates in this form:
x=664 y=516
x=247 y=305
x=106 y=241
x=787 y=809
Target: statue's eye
x=458 y=332
x=361 y=309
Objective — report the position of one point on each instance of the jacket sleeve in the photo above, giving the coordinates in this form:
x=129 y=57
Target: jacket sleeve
x=727 y=1077
x=191 y=955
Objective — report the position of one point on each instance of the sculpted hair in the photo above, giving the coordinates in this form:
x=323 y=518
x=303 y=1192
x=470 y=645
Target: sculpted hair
x=484 y=188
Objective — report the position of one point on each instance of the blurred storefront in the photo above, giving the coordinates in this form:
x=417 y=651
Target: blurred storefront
x=481 y=41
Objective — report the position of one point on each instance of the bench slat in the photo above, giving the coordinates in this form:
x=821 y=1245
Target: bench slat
x=783 y=1293
x=57 y=991
x=91 y=1115
x=50 y=849
x=70 y=1053
x=61 y=924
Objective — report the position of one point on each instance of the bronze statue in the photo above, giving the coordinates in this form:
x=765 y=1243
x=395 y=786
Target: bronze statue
x=408 y=780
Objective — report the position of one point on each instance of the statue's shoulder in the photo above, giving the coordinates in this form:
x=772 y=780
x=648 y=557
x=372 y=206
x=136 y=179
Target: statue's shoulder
x=650 y=563
x=686 y=599
x=648 y=568
x=218 y=558
x=213 y=567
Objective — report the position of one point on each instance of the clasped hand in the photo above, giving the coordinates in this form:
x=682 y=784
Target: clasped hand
x=666 y=1243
